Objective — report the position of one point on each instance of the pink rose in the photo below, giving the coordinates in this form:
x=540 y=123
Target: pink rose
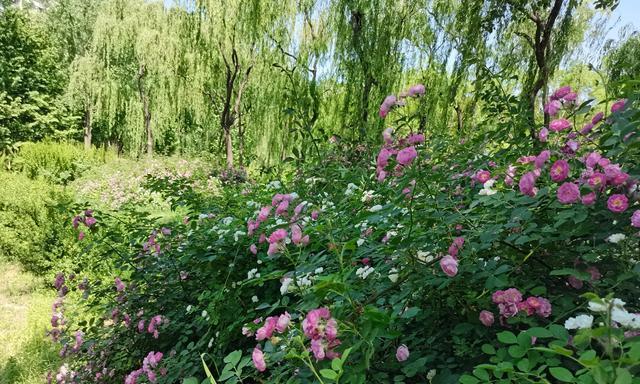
x=258 y=359
x=559 y=170
x=568 y=193
x=486 y=318
x=618 y=203
x=402 y=353
x=449 y=265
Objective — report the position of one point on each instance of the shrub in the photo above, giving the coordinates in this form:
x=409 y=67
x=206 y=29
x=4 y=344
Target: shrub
x=57 y=162
x=122 y=181
x=398 y=272
x=33 y=222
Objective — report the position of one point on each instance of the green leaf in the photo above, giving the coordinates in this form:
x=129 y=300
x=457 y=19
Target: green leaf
x=227 y=372
x=207 y=371
x=562 y=374
x=623 y=376
x=329 y=374
x=336 y=364
x=190 y=380
x=539 y=332
x=507 y=337
x=466 y=379
x=233 y=358
x=488 y=349
x=410 y=312
x=517 y=351
x=481 y=374
x=634 y=352
x=523 y=365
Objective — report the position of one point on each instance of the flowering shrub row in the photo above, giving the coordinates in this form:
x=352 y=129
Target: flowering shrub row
x=400 y=272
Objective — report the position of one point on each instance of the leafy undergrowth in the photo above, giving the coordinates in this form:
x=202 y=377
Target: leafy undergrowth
x=437 y=263
x=26 y=355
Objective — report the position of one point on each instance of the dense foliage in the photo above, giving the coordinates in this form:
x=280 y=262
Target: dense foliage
x=399 y=272
x=310 y=191
x=187 y=77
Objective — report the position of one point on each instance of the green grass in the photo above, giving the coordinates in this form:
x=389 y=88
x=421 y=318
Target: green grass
x=25 y=309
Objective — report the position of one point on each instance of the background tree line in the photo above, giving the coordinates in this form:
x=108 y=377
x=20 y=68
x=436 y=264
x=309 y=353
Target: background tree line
x=258 y=81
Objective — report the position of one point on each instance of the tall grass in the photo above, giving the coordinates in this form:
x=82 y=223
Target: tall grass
x=25 y=309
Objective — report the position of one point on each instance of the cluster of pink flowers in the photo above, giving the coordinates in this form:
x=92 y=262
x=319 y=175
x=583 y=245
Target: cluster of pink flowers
x=598 y=176
x=63 y=376
x=392 y=101
x=272 y=324
x=151 y=328
x=86 y=219
x=404 y=151
x=322 y=330
x=57 y=317
x=277 y=238
x=318 y=326
x=449 y=263
x=152 y=245
x=149 y=365
x=510 y=302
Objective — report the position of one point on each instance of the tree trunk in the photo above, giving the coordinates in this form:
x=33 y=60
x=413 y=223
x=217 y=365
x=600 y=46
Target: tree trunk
x=147 y=126
x=87 y=128
x=229 y=147
x=144 y=98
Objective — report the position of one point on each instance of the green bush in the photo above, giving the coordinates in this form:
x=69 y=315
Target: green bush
x=123 y=181
x=58 y=162
x=33 y=225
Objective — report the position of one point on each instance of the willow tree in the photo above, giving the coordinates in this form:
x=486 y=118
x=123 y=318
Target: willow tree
x=231 y=36
x=132 y=43
x=369 y=34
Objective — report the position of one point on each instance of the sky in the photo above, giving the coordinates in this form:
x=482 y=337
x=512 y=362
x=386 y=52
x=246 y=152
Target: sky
x=627 y=12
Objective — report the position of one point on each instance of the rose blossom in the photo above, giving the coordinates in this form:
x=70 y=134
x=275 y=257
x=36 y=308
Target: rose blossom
x=568 y=193
x=559 y=125
x=258 y=359
x=635 y=219
x=402 y=353
x=618 y=203
x=486 y=318
x=449 y=265
x=559 y=170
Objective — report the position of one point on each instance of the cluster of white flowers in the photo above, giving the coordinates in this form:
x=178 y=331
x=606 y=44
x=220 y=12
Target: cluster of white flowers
x=579 y=322
x=486 y=188
x=227 y=220
x=618 y=314
x=274 y=185
x=360 y=242
x=254 y=299
x=364 y=272
x=302 y=281
x=254 y=204
x=313 y=180
x=284 y=288
x=616 y=238
x=351 y=188
x=425 y=256
x=237 y=235
x=375 y=208
x=253 y=273
x=368 y=196
x=393 y=275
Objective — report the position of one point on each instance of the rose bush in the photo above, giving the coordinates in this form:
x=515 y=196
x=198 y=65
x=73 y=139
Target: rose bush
x=403 y=270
